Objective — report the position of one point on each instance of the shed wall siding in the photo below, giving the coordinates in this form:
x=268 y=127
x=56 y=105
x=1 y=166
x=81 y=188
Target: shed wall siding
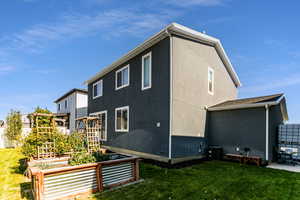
x=242 y=127
x=275 y=120
x=146 y=108
x=190 y=85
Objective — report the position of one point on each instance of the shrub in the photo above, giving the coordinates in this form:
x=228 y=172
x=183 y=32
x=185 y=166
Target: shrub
x=81 y=158
x=13 y=131
x=77 y=142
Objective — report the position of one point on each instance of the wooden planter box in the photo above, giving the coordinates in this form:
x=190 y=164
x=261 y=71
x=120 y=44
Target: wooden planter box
x=72 y=181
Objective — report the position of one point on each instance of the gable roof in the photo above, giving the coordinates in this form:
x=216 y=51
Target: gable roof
x=71 y=92
x=177 y=29
x=253 y=102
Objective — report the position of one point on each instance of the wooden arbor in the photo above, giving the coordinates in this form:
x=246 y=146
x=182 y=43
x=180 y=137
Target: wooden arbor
x=44 y=124
x=91 y=127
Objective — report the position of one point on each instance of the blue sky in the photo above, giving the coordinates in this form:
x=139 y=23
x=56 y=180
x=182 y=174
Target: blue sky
x=50 y=46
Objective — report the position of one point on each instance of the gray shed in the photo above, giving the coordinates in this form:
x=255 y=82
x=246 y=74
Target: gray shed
x=247 y=123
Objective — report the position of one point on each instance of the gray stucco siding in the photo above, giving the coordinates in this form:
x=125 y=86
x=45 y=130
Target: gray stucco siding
x=241 y=127
x=146 y=108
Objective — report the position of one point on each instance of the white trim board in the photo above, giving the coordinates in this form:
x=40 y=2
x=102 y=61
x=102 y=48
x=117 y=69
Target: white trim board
x=149 y=54
x=213 y=80
x=122 y=108
x=100 y=81
x=99 y=113
x=116 y=77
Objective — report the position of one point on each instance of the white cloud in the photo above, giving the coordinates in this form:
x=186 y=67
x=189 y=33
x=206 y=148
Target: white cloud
x=109 y=23
x=295 y=54
x=185 y=3
x=277 y=83
x=5 y=69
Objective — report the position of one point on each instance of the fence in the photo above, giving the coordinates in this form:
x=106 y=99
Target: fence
x=289 y=139
x=71 y=181
x=2 y=138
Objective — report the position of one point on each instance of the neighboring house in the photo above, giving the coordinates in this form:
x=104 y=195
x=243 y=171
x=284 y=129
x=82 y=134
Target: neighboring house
x=26 y=124
x=26 y=128
x=2 y=136
x=73 y=104
x=155 y=98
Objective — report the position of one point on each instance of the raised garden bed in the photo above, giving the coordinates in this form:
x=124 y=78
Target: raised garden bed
x=70 y=181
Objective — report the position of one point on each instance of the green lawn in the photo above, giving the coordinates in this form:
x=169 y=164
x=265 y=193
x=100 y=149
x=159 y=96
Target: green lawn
x=211 y=180
x=208 y=180
x=13 y=185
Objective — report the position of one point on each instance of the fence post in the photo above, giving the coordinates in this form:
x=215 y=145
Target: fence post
x=137 y=169
x=99 y=177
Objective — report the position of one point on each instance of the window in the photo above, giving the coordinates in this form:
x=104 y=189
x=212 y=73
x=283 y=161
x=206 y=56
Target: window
x=210 y=81
x=146 y=71
x=122 y=77
x=66 y=104
x=58 y=107
x=97 y=89
x=122 y=119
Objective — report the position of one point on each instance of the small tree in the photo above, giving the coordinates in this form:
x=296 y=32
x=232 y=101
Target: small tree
x=13 y=131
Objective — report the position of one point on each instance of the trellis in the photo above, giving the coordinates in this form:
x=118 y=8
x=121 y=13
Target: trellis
x=47 y=150
x=91 y=127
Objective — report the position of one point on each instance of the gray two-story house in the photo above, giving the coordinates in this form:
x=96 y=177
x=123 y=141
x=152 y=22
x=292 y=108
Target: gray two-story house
x=155 y=100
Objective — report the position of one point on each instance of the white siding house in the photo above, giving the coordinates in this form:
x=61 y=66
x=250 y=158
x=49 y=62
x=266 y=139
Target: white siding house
x=73 y=103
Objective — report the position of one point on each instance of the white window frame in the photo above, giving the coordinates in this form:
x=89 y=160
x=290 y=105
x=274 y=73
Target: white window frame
x=100 y=81
x=213 y=81
x=58 y=107
x=66 y=104
x=99 y=113
x=150 y=71
x=122 y=108
x=116 y=77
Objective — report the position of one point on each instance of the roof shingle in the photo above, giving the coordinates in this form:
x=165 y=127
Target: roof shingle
x=252 y=100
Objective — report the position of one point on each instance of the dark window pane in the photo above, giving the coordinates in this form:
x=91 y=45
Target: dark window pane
x=124 y=119
x=146 y=71
x=99 y=86
x=119 y=79
x=125 y=76
x=210 y=86
x=119 y=116
x=95 y=90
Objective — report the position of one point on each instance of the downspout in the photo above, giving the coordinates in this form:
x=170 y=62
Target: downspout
x=171 y=95
x=267 y=132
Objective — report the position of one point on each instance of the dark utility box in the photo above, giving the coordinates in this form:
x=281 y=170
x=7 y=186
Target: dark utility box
x=215 y=153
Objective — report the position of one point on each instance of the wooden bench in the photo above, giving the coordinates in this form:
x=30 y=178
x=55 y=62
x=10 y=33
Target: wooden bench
x=244 y=159
x=252 y=159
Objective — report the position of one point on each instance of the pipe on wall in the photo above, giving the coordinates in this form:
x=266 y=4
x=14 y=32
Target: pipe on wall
x=171 y=94
x=267 y=132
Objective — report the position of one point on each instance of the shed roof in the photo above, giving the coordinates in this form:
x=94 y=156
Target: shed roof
x=176 y=29
x=254 y=102
x=71 y=92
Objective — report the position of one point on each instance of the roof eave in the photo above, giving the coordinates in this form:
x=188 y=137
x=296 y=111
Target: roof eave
x=69 y=93
x=256 y=105
x=173 y=27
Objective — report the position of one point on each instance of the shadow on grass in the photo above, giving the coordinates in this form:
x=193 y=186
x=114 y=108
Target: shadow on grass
x=25 y=189
x=21 y=168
